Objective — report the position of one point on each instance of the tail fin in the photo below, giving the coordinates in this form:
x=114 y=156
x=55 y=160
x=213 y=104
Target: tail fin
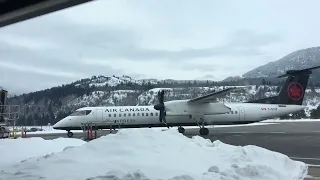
x=3 y=98
x=292 y=92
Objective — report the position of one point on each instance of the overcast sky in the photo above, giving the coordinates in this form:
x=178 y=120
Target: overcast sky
x=182 y=39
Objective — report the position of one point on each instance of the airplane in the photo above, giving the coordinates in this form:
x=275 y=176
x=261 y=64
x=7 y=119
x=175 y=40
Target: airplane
x=200 y=111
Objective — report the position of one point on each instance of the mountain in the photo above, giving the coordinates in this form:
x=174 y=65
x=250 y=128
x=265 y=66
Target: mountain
x=299 y=59
x=232 y=78
x=50 y=105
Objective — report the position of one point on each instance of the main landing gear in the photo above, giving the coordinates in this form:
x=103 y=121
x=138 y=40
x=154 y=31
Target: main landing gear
x=181 y=129
x=203 y=131
x=69 y=134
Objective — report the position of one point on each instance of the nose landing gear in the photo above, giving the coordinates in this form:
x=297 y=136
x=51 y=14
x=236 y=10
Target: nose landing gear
x=69 y=134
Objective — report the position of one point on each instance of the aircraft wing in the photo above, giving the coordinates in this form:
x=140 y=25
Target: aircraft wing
x=210 y=97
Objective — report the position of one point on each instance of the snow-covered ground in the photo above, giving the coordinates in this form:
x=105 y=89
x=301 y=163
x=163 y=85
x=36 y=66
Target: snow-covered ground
x=290 y=120
x=141 y=154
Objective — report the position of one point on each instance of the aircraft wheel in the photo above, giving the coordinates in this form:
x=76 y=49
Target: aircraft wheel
x=70 y=134
x=181 y=130
x=204 y=131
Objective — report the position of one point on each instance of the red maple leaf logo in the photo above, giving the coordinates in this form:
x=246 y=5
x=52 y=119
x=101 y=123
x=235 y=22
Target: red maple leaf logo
x=295 y=91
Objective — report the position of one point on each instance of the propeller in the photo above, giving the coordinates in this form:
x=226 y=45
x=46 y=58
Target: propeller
x=160 y=107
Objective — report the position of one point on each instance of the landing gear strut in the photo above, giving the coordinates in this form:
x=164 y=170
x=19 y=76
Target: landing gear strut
x=181 y=129
x=203 y=131
x=69 y=134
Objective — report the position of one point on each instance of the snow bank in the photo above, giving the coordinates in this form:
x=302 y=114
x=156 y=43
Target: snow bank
x=15 y=150
x=289 y=120
x=153 y=154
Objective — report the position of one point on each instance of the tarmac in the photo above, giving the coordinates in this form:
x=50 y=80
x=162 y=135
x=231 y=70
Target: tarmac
x=298 y=140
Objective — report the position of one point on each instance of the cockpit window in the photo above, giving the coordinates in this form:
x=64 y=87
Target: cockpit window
x=88 y=112
x=81 y=113
x=78 y=113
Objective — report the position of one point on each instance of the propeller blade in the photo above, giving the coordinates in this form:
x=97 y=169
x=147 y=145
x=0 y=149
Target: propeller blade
x=164 y=117
x=161 y=116
x=161 y=97
x=160 y=106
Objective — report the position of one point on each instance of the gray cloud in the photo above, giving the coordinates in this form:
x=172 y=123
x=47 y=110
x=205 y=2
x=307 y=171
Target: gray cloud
x=62 y=44
x=208 y=76
x=245 y=37
x=56 y=48
x=98 y=41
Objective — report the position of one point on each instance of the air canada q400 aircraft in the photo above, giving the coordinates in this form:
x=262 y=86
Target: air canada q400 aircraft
x=200 y=111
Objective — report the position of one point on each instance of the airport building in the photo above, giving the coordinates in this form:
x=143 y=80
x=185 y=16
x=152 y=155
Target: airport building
x=8 y=114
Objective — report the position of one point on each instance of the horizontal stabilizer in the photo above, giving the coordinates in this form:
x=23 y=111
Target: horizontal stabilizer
x=297 y=72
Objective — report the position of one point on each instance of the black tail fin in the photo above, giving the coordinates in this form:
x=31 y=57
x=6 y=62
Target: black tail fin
x=292 y=92
x=3 y=98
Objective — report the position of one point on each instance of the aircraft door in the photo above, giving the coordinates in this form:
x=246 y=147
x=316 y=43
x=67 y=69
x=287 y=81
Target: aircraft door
x=99 y=114
x=241 y=114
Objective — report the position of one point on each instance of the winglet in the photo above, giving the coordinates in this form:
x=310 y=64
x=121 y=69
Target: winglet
x=296 y=72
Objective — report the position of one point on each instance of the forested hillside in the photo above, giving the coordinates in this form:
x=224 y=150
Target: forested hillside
x=50 y=105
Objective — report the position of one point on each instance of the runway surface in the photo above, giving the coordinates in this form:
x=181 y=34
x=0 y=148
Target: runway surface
x=298 y=140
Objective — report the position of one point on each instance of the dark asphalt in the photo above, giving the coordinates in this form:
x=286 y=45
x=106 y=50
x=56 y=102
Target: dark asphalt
x=298 y=140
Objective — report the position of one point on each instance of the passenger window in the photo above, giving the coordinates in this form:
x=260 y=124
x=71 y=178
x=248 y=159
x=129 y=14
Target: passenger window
x=133 y=114
x=124 y=114
x=109 y=115
x=138 y=114
x=114 y=115
x=151 y=114
x=231 y=112
x=129 y=114
x=156 y=114
x=146 y=114
x=236 y=112
x=142 y=114
x=119 y=115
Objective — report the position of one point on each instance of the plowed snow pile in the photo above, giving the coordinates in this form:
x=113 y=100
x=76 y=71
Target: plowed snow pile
x=154 y=154
x=15 y=150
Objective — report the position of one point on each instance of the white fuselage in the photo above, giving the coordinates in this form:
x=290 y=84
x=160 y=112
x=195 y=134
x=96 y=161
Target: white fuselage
x=147 y=116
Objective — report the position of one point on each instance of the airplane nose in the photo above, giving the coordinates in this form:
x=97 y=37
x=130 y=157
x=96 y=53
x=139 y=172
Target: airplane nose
x=58 y=125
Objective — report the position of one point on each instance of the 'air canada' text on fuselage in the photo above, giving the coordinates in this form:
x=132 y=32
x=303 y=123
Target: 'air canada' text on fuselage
x=127 y=109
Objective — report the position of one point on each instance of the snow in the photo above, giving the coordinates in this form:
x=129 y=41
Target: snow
x=15 y=150
x=289 y=120
x=143 y=154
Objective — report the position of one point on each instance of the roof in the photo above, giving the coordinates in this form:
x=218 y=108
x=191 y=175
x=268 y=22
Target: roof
x=14 y=11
